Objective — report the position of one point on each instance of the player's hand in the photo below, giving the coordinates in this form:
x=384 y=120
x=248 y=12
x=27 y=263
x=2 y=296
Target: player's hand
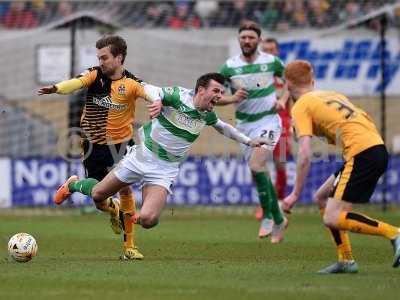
x=154 y=108
x=258 y=142
x=279 y=105
x=50 y=89
x=240 y=95
x=288 y=203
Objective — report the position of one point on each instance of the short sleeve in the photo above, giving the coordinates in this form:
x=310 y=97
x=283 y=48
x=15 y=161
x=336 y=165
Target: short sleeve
x=170 y=96
x=139 y=91
x=224 y=71
x=152 y=92
x=302 y=119
x=279 y=67
x=211 y=118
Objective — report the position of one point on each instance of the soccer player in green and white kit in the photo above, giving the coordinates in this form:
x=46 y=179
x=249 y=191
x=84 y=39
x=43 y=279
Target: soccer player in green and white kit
x=251 y=78
x=165 y=141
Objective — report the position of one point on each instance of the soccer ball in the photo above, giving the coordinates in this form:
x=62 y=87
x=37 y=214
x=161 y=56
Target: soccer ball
x=22 y=247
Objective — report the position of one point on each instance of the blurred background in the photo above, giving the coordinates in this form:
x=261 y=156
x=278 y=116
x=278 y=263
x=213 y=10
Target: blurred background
x=353 y=46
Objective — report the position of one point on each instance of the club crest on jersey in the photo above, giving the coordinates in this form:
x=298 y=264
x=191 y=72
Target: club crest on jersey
x=169 y=90
x=121 y=90
x=106 y=102
x=264 y=68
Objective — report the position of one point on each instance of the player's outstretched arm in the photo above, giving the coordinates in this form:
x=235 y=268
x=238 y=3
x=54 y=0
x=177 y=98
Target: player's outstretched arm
x=234 y=134
x=302 y=169
x=237 y=97
x=231 y=132
x=283 y=99
x=50 y=89
x=63 y=87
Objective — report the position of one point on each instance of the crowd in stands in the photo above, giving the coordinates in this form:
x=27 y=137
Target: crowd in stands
x=280 y=15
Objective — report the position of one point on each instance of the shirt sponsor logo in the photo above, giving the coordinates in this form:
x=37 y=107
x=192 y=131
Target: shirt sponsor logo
x=106 y=102
x=188 y=122
x=183 y=121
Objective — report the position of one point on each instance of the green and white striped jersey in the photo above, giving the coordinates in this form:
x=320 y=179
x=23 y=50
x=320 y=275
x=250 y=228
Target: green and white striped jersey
x=258 y=79
x=179 y=124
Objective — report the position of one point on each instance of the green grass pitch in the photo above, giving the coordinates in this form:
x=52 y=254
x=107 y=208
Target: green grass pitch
x=191 y=254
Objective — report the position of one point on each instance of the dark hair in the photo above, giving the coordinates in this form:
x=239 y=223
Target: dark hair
x=250 y=25
x=117 y=45
x=204 y=80
x=272 y=40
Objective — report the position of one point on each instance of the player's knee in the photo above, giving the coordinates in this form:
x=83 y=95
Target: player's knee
x=100 y=205
x=149 y=223
x=148 y=220
x=125 y=191
x=98 y=197
x=329 y=219
x=317 y=198
x=256 y=166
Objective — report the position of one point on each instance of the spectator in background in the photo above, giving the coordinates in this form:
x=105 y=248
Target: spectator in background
x=375 y=23
x=19 y=16
x=64 y=9
x=238 y=12
x=317 y=16
x=156 y=15
x=183 y=17
x=270 y=15
x=396 y=17
x=206 y=10
x=285 y=16
x=41 y=10
x=4 y=7
x=351 y=11
x=38 y=4
x=299 y=15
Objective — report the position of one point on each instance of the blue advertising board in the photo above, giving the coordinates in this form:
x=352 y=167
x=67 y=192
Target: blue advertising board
x=344 y=62
x=201 y=181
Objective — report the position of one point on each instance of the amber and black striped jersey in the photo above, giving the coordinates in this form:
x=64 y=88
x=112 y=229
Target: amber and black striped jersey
x=110 y=106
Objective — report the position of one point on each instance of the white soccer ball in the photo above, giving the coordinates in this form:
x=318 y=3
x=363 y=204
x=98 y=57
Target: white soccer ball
x=22 y=247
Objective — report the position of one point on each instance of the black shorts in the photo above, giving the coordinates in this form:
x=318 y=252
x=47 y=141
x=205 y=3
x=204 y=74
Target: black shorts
x=100 y=159
x=356 y=181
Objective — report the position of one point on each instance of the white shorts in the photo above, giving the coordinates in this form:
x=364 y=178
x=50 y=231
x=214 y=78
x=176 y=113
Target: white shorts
x=140 y=165
x=269 y=127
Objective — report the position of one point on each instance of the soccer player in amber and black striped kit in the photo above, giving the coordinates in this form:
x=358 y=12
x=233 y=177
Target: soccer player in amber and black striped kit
x=106 y=122
x=331 y=115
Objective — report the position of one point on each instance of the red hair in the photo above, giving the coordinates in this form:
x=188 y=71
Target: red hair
x=299 y=72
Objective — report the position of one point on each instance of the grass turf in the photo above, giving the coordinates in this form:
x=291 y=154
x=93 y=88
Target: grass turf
x=192 y=254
